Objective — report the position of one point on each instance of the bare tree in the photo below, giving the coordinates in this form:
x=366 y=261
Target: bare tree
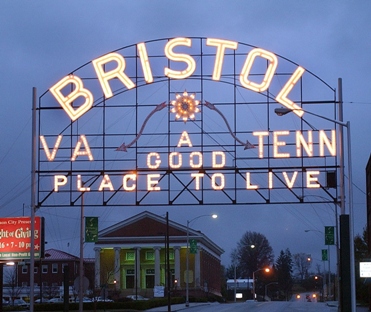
x=318 y=268
x=301 y=265
x=50 y=291
x=10 y=279
x=253 y=253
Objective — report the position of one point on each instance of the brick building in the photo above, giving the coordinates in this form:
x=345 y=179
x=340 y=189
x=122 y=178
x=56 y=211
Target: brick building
x=130 y=258
x=49 y=273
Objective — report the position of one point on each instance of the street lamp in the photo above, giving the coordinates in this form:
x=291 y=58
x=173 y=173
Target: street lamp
x=253 y=279
x=214 y=216
x=346 y=222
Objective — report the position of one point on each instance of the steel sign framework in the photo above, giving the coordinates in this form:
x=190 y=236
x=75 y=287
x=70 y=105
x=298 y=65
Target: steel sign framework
x=186 y=121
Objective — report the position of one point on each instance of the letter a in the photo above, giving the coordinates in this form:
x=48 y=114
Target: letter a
x=184 y=139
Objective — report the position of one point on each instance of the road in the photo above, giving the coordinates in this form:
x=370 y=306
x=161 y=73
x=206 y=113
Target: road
x=272 y=306
x=250 y=306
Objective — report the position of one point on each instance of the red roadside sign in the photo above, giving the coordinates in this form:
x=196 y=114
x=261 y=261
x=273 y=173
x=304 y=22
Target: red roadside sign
x=15 y=238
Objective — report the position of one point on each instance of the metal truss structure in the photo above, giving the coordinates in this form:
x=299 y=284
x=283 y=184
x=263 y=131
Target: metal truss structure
x=192 y=141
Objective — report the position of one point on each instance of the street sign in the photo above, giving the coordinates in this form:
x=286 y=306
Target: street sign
x=324 y=255
x=365 y=269
x=91 y=229
x=329 y=235
x=193 y=246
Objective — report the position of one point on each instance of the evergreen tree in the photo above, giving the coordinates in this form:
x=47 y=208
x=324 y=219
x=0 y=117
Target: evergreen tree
x=284 y=269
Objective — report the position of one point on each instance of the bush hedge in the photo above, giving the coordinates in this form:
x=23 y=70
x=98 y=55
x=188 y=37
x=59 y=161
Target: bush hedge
x=129 y=305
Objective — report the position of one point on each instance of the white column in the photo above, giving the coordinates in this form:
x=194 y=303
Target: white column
x=116 y=272
x=157 y=266
x=137 y=268
x=197 y=267
x=177 y=264
x=97 y=267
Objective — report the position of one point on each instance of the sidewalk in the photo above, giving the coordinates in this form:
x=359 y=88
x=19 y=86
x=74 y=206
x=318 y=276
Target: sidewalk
x=180 y=307
x=336 y=304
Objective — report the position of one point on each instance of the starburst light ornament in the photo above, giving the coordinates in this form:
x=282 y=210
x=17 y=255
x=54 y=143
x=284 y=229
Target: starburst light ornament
x=185 y=106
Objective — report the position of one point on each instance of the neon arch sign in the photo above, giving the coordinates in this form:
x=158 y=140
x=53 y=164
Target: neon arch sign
x=220 y=45
x=188 y=157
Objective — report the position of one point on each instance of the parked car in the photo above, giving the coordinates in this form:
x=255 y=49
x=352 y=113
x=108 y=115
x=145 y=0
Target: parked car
x=84 y=299
x=136 y=297
x=5 y=302
x=56 y=300
x=45 y=300
x=20 y=303
x=101 y=299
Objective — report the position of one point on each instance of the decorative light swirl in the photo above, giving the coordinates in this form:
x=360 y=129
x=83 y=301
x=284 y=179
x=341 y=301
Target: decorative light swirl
x=185 y=106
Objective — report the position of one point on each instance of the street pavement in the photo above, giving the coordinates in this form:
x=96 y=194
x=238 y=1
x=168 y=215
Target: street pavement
x=276 y=306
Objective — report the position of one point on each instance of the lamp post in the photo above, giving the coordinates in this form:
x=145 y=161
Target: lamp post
x=323 y=284
x=336 y=244
x=329 y=264
x=253 y=280
x=346 y=221
x=214 y=216
x=235 y=279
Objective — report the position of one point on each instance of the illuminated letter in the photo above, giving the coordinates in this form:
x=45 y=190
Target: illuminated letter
x=151 y=182
x=125 y=180
x=46 y=148
x=118 y=72
x=290 y=183
x=191 y=64
x=145 y=62
x=191 y=162
x=220 y=45
x=260 y=135
x=79 y=185
x=215 y=185
x=197 y=177
x=249 y=186
x=184 y=139
x=277 y=143
x=323 y=140
x=171 y=160
x=66 y=101
x=106 y=183
x=157 y=161
x=282 y=95
x=300 y=142
x=312 y=182
x=87 y=151
x=264 y=85
x=270 y=180
x=222 y=163
x=59 y=180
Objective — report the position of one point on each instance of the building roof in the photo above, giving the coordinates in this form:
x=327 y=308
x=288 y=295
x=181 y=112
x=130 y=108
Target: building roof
x=59 y=255
x=54 y=254
x=149 y=228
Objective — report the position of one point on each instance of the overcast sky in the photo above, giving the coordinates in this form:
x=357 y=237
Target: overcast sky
x=42 y=41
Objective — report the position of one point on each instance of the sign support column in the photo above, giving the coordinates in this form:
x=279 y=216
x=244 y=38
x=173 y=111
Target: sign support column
x=33 y=202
